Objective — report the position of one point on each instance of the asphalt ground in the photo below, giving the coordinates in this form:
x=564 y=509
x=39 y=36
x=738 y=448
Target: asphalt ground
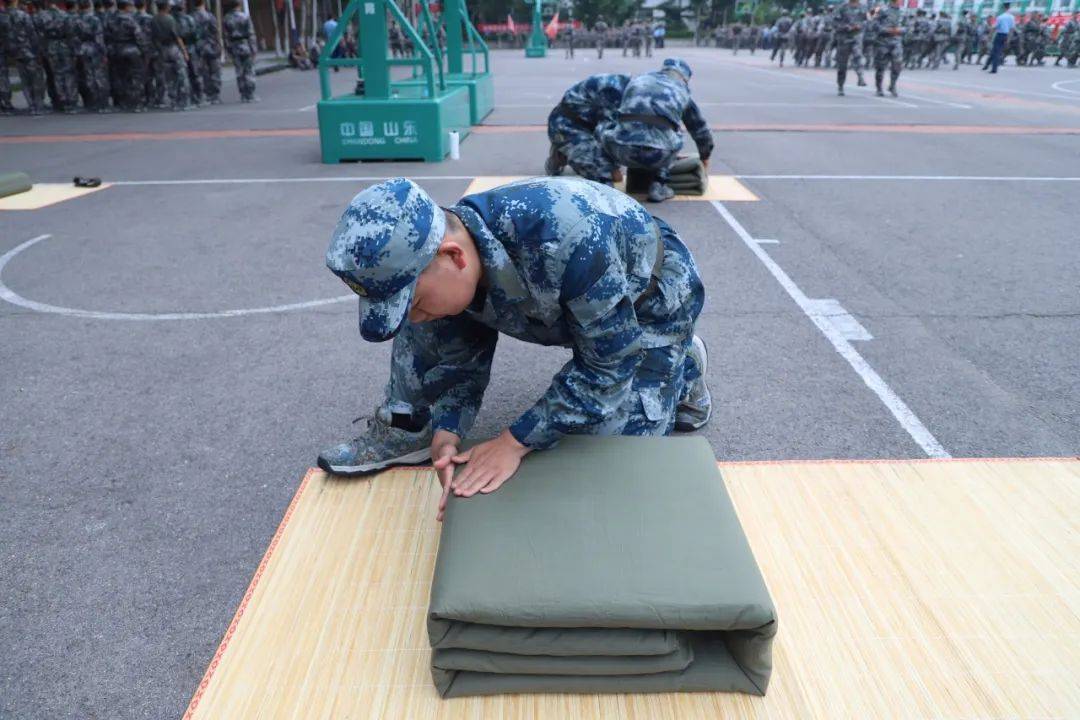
x=145 y=463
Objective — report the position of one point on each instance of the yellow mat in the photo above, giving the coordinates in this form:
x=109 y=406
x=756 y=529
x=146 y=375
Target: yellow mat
x=724 y=188
x=45 y=194
x=904 y=589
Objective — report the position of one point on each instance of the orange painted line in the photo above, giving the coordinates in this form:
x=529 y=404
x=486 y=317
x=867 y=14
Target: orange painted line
x=205 y=682
x=170 y=135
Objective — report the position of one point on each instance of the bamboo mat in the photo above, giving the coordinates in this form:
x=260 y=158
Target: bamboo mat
x=904 y=589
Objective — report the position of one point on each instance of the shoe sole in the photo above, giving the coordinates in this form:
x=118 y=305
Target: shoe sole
x=413 y=458
x=691 y=427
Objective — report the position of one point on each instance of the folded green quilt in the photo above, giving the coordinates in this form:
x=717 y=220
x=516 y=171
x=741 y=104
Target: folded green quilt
x=603 y=565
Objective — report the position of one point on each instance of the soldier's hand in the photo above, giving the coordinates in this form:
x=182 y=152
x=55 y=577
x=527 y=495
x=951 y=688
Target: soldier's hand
x=488 y=465
x=444 y=446
x=617 y=176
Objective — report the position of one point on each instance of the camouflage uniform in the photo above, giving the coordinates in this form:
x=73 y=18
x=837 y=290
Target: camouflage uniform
x=962 y=37
x=208 y=49
x=90 y=57
x=1064 y=39
x=572 y=124
x=153 y=95
x=128 y=43
x=941 y=35
x=24 y=48
x=848 y=22
x=566 y=262
x=193 y=63
x=172 y=70
x=240 y=45
x=5 y=83
x=888 y=49
x=1070 y=47
x=54 y=28
x=782 y=38
x=645 y=133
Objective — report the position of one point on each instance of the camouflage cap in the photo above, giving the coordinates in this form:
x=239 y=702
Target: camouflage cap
x=385 y=238
x=678 y=65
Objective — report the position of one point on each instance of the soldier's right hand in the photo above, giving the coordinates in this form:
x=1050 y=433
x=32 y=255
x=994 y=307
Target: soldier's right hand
x=444 y=446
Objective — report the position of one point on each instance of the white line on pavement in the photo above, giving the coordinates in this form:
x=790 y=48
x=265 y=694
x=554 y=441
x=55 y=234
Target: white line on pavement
x=813 y=310
x=952 y=178
x=1059 y=83
x=989 y=88
x=244 y=181
x=14 y=298
x=839 y=105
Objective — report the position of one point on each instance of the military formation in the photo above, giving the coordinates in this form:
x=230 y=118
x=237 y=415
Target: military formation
x=888 y=39
x=606 y=122
x=113 y=55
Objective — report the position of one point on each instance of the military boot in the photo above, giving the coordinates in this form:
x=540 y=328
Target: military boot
x=382 y=446
x=659 y=192
x=555 y=162
x=695 y=406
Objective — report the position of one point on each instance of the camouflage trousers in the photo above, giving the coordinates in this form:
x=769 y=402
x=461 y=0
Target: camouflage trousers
x=887 y=55
x=645 y=148
x=5 y=84
x=61 y=62
x=172 y=76
x=93 y=77
x=211 y=76
x=245 y=72
x=578 y=143
x=130 y=83
x=424 y=355
x=32 y=76
x=845 y=51
x=195 y=71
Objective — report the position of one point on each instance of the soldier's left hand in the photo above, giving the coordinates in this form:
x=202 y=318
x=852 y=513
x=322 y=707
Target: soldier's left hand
x=488 y=465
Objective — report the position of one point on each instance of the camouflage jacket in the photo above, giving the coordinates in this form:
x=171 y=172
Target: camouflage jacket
x=662 y=95
x=23 y=41
x=207 y=43
x=54 y=28
x=596 y=98
x=239 y=34
x=848 y=21
x=89 y=34
x=942 y=30
x=564 y=260
x=887 y=19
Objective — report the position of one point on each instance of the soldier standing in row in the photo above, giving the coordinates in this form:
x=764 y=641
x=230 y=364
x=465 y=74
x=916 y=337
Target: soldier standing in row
x=240 y=45
x=172 y=68
x=24 y=48
x=6 y=107
x=645 y=133
x=600 y=30
x=572 y=128
x=90 y=58
x=848 y=21
x=552 y=261
x=888 y=33
x=941 y=35
x=1066 y=40
x=153 y=95
x=55 y=28
x=129 y=42
x=782 y=37
x=209 y=51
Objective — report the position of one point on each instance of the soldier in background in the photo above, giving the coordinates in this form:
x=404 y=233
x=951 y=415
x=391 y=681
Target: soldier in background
x=963 y=36
x=848 y=21
x=1034 y=47
x=172 y=68
x=572 y=128
x=90 y=58
x=24 y=49
x=129 y=44
x=983 y=39
x=209 y=51
x=801 y=31
x=645 y=132
x=1066 y=38
x=55 y=29
x=6 y=107
x=888 y=32
x=600 y=29
x=240 y=45
x=941 y=34
x=755 y=38
x=153 y=94
x=735 y=31
x=192 y=61
x=781 y=37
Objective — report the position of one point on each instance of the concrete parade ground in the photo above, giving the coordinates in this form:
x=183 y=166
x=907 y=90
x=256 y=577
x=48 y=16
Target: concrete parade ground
x=886 y=278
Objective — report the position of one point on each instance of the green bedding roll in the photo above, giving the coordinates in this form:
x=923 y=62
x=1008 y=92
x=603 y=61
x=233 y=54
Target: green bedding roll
x=14 y=182
x=604 y=565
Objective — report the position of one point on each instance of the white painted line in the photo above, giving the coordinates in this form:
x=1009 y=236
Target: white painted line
x=832 y=311
x=991 y=88
x=951 y=178
x=245 y=181
x=1058 y=86
x=9 y=295
x=762 y=241
x=839 y=105
x=899 y=409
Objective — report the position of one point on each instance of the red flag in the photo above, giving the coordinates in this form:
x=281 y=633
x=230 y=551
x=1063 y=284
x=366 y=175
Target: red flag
x=553 y=26
x=510 y=24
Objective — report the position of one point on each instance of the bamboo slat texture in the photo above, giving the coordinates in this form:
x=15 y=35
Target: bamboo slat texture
x=904 y=589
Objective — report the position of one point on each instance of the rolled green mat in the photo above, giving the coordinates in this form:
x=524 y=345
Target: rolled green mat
x=13 y=183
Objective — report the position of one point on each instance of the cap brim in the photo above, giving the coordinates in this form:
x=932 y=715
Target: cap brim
x=381 y=320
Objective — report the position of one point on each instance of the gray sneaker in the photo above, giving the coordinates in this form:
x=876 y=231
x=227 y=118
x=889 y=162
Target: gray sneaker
x=659 y=192
x=382 y=446
x=695 y=407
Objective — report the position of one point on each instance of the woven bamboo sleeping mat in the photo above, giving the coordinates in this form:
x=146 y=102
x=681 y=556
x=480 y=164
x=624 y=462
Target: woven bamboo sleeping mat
x=904 y=590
